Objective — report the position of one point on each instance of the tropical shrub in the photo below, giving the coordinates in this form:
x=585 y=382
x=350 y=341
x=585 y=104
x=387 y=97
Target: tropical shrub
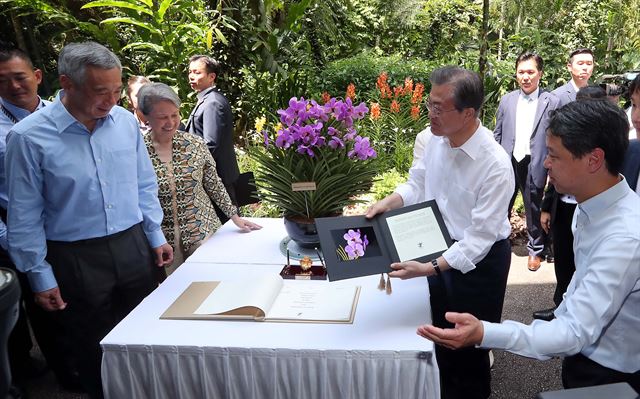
x=363 y=71
x=397 y=115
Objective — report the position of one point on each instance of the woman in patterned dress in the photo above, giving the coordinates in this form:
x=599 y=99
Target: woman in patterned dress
x=187 y=179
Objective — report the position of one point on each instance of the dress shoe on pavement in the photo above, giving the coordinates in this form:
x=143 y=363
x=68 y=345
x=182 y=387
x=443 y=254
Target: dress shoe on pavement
x=534 y=263
x=546 y=314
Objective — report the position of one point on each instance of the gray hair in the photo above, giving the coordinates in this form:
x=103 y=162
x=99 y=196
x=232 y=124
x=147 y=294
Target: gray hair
x=75 y=57
x=152 y=93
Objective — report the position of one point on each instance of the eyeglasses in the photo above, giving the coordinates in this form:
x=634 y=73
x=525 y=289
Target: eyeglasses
x=436 y=109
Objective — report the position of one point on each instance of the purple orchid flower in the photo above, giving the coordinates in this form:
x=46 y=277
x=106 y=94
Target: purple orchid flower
x=354 y=250
x=335 y=143
x=362 y=149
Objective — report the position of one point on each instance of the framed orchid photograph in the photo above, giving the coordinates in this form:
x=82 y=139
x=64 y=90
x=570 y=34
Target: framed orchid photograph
x=354 y=246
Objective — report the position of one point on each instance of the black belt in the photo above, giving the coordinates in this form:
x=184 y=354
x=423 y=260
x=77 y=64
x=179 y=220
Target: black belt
x=96 y=240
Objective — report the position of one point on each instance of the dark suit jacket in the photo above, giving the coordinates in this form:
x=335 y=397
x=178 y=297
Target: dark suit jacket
x=212 y=120
x=631 y=164
x=505 y=131
x=565 y=93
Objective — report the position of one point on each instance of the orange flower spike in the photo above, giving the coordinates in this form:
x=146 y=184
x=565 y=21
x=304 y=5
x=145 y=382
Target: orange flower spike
x=382 y=80
x=325 y=97
x=351 y=91
x=415 y=112
x=417 y=94
x=395 y=107
x=397 y=91
x=408 y=86
x=375 y=111
x=387 y=91
x=382 y=85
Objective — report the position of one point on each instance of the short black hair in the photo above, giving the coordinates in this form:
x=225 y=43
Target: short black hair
x=468 y=89
x=527 y=55
x=634 y=85
x=582 y=50
x=8 y=52
x=210 y=64
x=590 y=92
x=583 y=126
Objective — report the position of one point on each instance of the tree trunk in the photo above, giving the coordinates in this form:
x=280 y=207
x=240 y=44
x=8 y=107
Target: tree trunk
x=482 y=62
x=17 y=28
x=501 y=31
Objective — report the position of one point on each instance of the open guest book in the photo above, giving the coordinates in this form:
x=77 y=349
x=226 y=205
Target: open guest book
x=266 y=298
x=355 y=246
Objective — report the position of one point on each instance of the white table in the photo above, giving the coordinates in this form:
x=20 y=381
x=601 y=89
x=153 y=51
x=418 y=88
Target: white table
x=378 y=356
x=230 y=245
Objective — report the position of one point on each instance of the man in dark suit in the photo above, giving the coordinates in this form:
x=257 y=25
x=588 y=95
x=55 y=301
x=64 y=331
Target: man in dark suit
x=212 y=120
x=522 y=120
x=580 y=66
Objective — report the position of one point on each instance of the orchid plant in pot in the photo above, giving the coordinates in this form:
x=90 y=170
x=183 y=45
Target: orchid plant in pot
x=314 y=163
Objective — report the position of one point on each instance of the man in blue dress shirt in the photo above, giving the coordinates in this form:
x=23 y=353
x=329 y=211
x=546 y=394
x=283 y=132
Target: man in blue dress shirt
x=596 y=325
x=83 y=213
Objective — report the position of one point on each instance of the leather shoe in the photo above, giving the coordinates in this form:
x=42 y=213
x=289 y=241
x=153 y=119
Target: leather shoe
x=534 y=263
x=550 y=258
x=546 y=314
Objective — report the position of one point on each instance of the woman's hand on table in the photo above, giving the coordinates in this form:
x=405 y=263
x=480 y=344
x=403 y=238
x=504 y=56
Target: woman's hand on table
x=245 y=225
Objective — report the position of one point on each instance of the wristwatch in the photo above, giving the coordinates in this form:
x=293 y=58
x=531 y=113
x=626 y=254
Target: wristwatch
x=434 y=263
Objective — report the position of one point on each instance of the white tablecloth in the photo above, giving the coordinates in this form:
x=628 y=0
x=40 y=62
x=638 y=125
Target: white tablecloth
x=230 y=245
x=378 y=356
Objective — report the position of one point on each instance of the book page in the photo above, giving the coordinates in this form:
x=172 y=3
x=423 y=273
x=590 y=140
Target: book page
x=233 y=294
x=416 y=234
x=313 y=302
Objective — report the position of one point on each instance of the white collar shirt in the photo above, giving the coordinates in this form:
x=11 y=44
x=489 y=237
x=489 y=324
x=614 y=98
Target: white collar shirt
x=525 y=118
x=599 y=315
x=472 y=185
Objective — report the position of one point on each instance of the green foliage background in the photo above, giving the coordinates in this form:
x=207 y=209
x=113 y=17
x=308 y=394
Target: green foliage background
x=272 y=50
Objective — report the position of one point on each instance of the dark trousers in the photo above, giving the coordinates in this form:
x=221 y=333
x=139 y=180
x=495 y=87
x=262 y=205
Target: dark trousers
x=101 y=280
x=43 y=327
x=564 y=265
x=579 y=371
x=465 y=373
x=532 y=198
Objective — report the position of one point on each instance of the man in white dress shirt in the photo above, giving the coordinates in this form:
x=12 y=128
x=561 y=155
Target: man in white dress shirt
x=596 y=325
x=471 y=179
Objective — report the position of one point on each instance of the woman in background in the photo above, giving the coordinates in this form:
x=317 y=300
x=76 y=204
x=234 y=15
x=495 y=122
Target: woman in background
x=187 y=178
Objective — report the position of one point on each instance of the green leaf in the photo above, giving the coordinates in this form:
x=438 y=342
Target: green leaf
x=220 y=36
x=143 y=45
x=118 y=4
x=164 y=6
x=131 y=21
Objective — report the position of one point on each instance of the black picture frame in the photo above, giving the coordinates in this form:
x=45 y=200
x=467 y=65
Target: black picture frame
x=381 y=251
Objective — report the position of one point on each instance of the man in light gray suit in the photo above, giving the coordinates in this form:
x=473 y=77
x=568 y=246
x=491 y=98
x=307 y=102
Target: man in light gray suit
x=521 y=124
x=580 y=66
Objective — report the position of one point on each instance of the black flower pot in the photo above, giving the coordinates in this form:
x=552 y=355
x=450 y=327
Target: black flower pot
x=302 y=230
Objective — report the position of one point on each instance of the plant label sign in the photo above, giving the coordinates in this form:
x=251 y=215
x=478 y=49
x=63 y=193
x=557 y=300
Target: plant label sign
x=304 y=186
